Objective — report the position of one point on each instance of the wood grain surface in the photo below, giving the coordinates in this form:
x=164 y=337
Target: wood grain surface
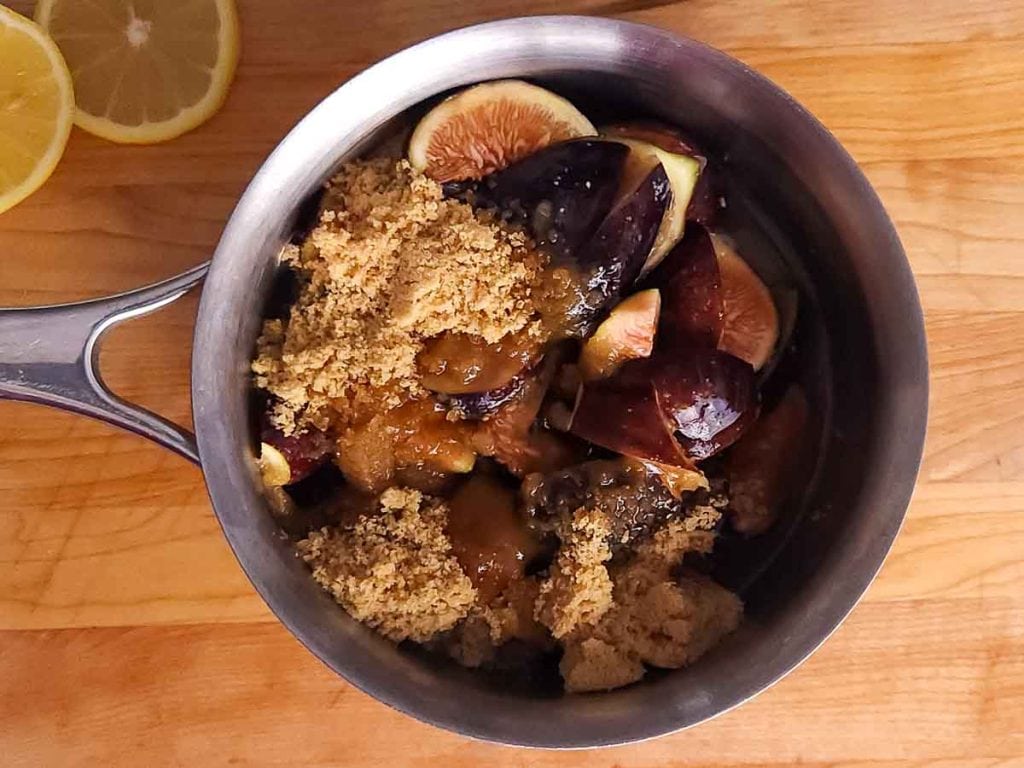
x=129 y=636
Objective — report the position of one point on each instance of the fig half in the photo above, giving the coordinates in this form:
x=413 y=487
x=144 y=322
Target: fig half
x=488 y=127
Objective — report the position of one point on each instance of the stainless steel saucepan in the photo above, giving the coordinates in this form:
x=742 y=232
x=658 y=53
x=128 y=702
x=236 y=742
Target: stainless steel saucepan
x=808 y=192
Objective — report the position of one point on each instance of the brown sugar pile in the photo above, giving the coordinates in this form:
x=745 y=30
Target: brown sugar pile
x=394 y=571
x=509 y=617
x=638 y=612
x=579 y=589
x=390 y=264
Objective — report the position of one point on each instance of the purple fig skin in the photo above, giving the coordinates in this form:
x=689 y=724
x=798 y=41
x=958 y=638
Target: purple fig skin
x=708 y=396
x=479 y=405
x=691 y=292
x=704 y=203
x=559 y=194
x=625 y=417
x=706 y=200
x=676 y=408
x=305 y=452
x=611 y=261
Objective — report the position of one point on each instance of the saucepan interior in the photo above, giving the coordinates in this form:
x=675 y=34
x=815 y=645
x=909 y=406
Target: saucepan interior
x=794 y=196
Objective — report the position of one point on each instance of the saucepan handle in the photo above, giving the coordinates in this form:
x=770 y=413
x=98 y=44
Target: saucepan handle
x=50 y=355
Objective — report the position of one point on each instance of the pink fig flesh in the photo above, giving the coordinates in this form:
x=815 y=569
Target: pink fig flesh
x=627 y=333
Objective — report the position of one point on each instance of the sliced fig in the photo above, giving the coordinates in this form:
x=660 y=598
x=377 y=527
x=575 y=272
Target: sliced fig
x=490 y=537
x=704 y=201
x=614 y=256
x=674 y=408
x=624 y=416
x=488 y=127
x=750 y=323
x=691 y=291
x=707 y=395
x=457 y=363
x=286 y=459
x=760 y=467
x=627 y=333
x=559 y=194
x=682 y=172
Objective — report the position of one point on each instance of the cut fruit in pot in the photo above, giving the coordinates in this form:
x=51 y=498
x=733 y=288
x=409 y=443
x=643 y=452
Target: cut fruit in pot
x=145 y=70
x=625 y=416
x=626 y=334
x=750 y=323
x=490 y=126
x=679 y=406
x=761 y=466
x=611 y=260
x=36 y=107
x=286 y=459
x=560 y=194
x=682 y=171
x=708 y=396
x=274 y=467
x=691 y=289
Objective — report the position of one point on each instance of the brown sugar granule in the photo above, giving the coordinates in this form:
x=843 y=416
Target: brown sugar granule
x=578 y=591
x=394 y=570
x=656 y=618
x=390 y=264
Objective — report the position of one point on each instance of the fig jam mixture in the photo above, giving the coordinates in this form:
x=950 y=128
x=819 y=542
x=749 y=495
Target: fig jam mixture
x=517 y=394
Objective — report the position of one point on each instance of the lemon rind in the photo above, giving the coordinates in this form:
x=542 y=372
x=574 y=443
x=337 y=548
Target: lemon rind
x=62 y=131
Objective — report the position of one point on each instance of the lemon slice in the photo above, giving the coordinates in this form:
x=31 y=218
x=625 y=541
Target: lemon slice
x=36 y=107
x=145 y=70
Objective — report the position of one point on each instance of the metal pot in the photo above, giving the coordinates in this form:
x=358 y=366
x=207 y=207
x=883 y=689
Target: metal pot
x=809 y=190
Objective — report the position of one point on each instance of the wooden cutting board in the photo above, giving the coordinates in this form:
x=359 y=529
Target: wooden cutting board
x=129 y=636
